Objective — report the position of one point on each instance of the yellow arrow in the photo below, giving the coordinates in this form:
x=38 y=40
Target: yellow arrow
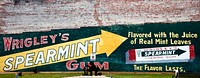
x=105 y=43
x=109 y=42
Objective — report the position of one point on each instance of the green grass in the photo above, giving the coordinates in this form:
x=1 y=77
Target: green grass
x=61 y=75
x=141 y=76
x=7 y=76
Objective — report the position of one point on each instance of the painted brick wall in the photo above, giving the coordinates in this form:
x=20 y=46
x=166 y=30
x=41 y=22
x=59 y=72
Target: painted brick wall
x=44 y=15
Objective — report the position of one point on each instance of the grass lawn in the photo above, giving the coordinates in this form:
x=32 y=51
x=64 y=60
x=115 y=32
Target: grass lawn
x=141 y=76
x=61 y=75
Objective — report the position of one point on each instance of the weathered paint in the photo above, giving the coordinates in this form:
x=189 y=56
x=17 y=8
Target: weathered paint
x=38 y=15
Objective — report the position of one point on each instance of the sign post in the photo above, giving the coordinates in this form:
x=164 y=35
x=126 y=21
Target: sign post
x=93 y=57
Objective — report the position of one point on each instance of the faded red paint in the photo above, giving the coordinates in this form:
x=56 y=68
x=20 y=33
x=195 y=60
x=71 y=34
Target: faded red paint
x=62 y=14
x=7 y=43
x=73 y=65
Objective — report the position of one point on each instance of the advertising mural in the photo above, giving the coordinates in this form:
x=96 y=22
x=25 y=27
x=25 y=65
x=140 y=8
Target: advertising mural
x=126 y=48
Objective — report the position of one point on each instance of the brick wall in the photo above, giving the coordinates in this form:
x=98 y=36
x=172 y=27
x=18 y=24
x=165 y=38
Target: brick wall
x=44 y=15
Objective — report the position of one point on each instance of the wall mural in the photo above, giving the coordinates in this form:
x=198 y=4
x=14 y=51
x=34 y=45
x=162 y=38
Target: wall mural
x=129 y=48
